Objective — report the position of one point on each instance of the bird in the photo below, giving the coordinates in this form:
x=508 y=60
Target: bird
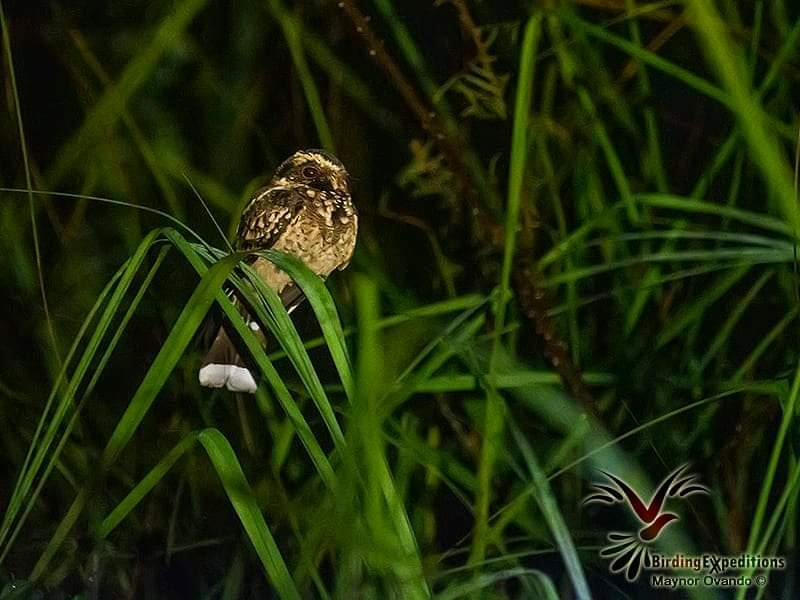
x=305 y=210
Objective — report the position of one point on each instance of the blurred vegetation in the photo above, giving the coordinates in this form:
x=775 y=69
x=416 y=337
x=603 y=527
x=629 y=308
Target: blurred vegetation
x=577 y=251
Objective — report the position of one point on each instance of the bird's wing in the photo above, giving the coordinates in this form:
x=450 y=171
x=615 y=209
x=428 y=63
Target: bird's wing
x=264 y=221
x=352 y=245
x=267 y=216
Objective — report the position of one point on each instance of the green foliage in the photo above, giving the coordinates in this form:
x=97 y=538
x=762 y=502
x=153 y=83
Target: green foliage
x=414 y=433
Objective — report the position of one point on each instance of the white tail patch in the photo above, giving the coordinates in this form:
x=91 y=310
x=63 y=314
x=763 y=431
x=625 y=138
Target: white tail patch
x=235 y=378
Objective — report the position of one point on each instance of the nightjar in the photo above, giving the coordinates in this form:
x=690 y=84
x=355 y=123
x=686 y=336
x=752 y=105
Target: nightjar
x=306 y=211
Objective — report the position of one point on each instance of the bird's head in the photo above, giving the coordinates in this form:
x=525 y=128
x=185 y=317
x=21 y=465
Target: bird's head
x=316 y=169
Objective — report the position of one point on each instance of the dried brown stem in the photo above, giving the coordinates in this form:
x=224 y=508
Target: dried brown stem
x=532 y=298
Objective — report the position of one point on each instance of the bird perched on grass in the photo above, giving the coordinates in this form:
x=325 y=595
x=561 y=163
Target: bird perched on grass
x=306 y=210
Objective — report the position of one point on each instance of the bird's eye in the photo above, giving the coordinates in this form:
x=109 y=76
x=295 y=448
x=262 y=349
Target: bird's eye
x=310 y=172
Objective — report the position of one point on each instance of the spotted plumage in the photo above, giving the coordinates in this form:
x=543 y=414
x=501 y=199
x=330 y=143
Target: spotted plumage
x=306 y=211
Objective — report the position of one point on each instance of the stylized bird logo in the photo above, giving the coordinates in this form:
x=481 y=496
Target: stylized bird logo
x=630 y=551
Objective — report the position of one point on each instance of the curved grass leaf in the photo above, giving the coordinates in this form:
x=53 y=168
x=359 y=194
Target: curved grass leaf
x=720 y=258
x=227 y=466
x=690 y=205
x=49 y=424
x=87 y=391
x=324 y=308
x=549 y=506
x=174 y=346
x=486 y=580
x=282 y=327
x=288 y=404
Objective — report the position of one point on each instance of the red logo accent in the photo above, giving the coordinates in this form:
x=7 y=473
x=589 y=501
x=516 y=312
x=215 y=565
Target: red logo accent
x=627 y=550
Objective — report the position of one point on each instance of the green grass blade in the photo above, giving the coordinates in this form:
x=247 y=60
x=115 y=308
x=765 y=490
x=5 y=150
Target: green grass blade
x=789 y=410
x=690 y=205
x=241 y=496
x=612 y=157
x=96 y=374
x=293 y=34
x=173 y=220
x=391 y=521
x=148 y=482
x=694 y=311
x=324 y=308
x=236 y=486
x=111 y=106
x=281 y=326
x=519 y=156
x=721 y=258
x=549 y=506
x=494 y=407
x=763 y=344
x=731 y=321
x=302 y=428
x=32 y=210
x=726 y=59
x=171 y=351
x=462 y=382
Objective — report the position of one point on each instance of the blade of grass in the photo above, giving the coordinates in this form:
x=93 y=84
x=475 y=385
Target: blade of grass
x=32 y=209
x=324 y=308
x=494 y=408
x=789 y=410
x=726 y=59
x=733 y=257
x=612 y=157
x=96 y=374
x=110 y=107
x=369 y=425
x=462 y=382
x=281 y=326
x=763 y=345
x=48 y=425
x=241 y=496
x=225 y=462
x=177 y=222
x=549 y=506
x=691 y=205
x=294 y=40
x=730 y=323
x=654 y=160
x=692 y=312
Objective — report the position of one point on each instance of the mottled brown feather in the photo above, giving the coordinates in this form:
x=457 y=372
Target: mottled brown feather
x=306 y=211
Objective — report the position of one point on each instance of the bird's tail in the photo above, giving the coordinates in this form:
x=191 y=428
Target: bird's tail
x=222 y=366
